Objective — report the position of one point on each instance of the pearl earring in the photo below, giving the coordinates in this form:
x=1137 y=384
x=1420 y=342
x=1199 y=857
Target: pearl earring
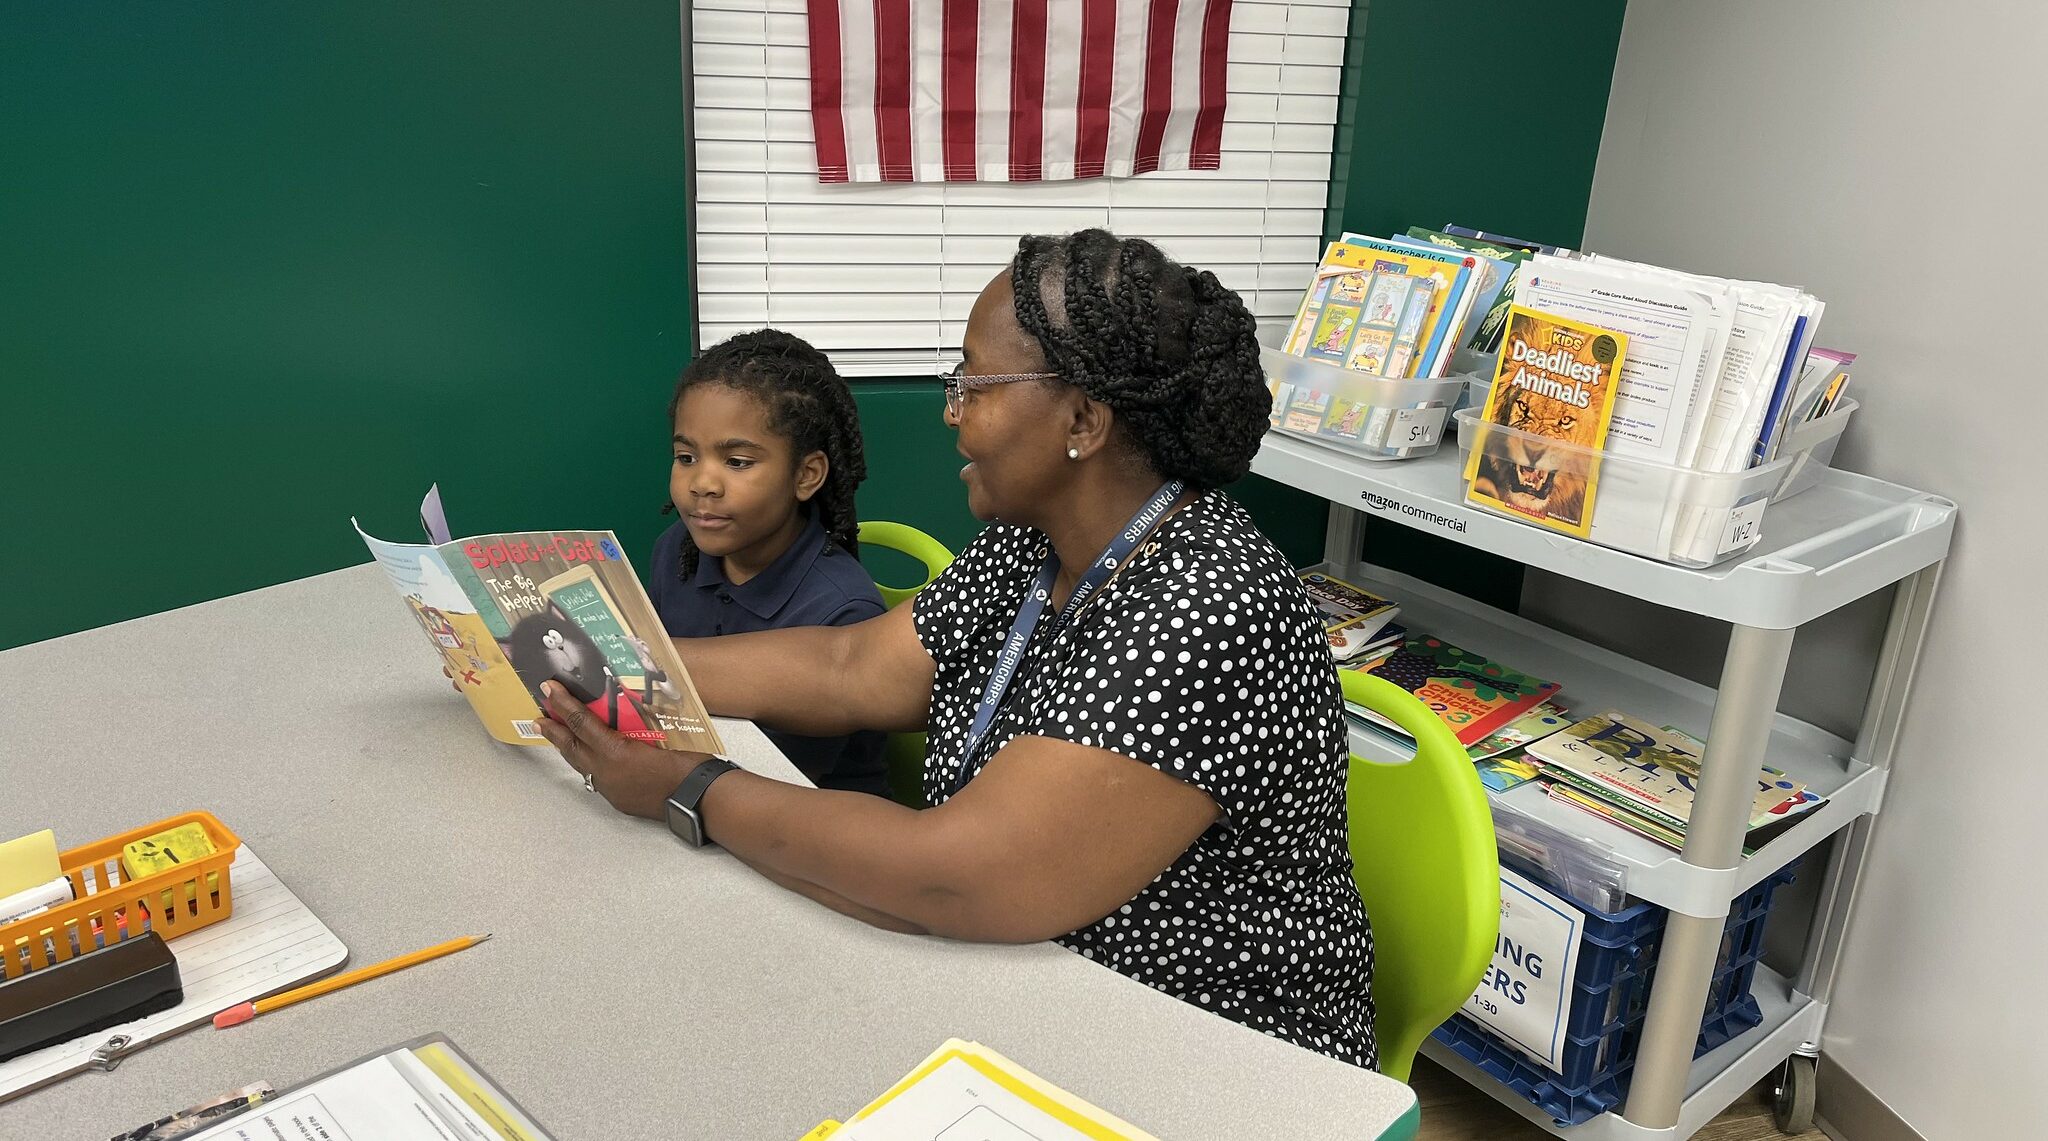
x=1073 y=453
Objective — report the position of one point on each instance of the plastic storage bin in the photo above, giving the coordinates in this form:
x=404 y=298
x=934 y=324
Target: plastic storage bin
x=1610 y=996
x=108 y=907
x=1672 y=514
x=1376 y=417
x=1811 y=449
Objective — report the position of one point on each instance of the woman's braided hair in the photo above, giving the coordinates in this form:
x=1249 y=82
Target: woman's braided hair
x=1171 y=351
x=808 y=404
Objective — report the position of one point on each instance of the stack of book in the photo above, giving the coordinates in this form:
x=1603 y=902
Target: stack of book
x=1402 y=308
x=1642 y=778
x=1355 y=620
x=1494 y=710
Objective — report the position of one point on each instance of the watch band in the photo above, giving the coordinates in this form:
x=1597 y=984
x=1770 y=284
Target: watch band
x=684 y=819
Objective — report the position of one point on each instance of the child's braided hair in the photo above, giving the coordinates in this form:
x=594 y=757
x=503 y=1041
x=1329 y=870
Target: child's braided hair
x=1170 y=350
x=808 y=404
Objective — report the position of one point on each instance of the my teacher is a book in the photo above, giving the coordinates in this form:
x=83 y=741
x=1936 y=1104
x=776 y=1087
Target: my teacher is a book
x=507 y=612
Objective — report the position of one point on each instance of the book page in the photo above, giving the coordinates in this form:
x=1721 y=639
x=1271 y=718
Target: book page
x=1675 y=332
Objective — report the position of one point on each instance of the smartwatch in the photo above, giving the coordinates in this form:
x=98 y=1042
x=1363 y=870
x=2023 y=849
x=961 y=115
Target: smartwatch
x=683 y=817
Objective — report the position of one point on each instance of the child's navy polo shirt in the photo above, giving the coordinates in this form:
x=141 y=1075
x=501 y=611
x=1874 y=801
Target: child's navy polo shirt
x=814 y=583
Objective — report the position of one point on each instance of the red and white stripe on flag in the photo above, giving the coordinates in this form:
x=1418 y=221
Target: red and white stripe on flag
x=1016 y=90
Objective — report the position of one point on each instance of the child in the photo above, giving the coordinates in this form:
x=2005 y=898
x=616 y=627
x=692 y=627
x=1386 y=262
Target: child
x=767 y=457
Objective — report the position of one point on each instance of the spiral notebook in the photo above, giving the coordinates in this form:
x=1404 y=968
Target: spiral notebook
x=271 y=942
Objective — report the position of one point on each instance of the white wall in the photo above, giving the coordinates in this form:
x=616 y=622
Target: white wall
x=1889 y=155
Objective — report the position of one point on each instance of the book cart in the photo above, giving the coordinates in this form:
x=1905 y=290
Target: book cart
x=1842 y=538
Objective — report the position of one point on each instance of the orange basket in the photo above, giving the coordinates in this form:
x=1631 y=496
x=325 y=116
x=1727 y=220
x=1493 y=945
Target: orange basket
x=107 y=907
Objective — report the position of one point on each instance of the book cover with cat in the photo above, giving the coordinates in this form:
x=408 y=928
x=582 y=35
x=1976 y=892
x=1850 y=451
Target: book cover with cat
x=507 y=612
x=1554 y=388
x=1476 y=697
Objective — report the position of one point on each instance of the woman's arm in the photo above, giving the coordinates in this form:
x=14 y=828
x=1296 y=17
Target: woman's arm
x=1049 y=838
x=817 y=681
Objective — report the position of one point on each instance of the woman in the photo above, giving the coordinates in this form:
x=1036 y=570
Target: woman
x=1137 y=744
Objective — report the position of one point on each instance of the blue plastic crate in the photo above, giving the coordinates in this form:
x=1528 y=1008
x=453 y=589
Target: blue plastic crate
x=1611 y=993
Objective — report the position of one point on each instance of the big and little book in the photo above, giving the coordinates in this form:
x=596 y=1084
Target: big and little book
x=507 y=612
x=1642 y=778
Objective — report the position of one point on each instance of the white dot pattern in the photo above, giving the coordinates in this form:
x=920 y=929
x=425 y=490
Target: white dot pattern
x=1203 y=659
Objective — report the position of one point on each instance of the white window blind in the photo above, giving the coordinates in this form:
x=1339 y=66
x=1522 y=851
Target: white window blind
x=882 y=276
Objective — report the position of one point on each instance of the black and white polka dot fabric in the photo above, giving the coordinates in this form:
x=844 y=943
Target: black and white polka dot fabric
x=1203 y=659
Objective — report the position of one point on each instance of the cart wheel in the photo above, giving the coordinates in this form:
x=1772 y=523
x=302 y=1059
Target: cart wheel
x=1793 y=1105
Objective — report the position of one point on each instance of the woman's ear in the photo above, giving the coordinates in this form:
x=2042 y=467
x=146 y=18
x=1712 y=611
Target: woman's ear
x=810 y=475
x=1090 y=426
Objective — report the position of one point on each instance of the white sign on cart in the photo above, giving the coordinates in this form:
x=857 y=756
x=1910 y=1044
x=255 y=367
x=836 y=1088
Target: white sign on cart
x=1527 y=992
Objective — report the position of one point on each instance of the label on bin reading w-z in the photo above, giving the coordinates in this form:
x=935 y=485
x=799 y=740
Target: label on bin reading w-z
x=1745 y=527
x=1525 y=997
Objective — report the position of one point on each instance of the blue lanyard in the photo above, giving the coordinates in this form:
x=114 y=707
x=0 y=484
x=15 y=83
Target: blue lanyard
x=1033 y=609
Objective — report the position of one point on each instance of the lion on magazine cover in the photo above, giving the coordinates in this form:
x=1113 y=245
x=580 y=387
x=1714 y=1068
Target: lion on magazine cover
x=1522 y=472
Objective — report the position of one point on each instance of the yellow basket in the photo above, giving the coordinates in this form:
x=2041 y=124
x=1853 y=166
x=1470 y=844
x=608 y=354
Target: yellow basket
x=108 y=908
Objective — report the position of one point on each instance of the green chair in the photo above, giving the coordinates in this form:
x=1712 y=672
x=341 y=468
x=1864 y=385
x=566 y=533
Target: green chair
x=906 y=540
x=904 y=752
x=1424 y=855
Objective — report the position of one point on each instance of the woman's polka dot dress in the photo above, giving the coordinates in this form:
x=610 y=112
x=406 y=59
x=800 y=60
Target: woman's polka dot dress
x=1203 y=659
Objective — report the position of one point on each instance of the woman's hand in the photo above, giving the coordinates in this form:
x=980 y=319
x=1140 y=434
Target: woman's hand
x=636 y=778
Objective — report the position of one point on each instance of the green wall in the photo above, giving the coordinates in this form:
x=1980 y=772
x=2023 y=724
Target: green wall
x=1511 y=152
x=264 y=266
x=269 y=266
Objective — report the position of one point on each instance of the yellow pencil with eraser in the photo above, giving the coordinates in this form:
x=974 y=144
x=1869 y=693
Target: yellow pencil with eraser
x=236 y=1015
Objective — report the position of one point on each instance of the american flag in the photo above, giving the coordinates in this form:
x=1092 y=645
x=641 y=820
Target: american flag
x=1016 y=90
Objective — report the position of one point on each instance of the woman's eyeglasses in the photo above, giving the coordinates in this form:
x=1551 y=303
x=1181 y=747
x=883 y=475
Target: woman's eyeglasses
x=957 y=381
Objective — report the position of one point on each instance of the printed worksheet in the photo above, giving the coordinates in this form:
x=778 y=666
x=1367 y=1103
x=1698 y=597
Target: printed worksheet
x=966 y=1092
x=423 y=1094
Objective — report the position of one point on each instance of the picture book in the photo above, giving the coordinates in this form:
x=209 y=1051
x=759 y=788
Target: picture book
x=1282 y=393
x=507 y=612
x=1330 y=340
x=1645 y=771
x=1408 y=332
x=1503 y=773
x=1555 y=388
x=1821 y=380
x=1347 y=419
x=1305 y=411
x=1341 y=282
x=1474 y=696
x=1352 y=616
x=1451 y=271
x=1482 y=334
x=1619 y=817
x=1503 y=240
x=1534 y=725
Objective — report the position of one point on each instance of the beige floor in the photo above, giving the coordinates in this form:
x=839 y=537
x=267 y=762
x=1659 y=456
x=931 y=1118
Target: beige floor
x=1455 y=1111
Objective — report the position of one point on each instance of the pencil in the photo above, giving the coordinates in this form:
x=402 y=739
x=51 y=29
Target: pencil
x=236 y=1015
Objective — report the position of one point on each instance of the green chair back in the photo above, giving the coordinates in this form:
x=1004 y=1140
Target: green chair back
x=1427 y=865
x=904 y=752
x=905 y=539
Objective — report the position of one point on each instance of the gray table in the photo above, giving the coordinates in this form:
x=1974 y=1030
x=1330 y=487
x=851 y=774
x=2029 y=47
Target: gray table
x=634 y=988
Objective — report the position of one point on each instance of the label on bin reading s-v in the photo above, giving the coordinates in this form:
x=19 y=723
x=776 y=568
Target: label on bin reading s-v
x=1526 y=994
x=1416 y=427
